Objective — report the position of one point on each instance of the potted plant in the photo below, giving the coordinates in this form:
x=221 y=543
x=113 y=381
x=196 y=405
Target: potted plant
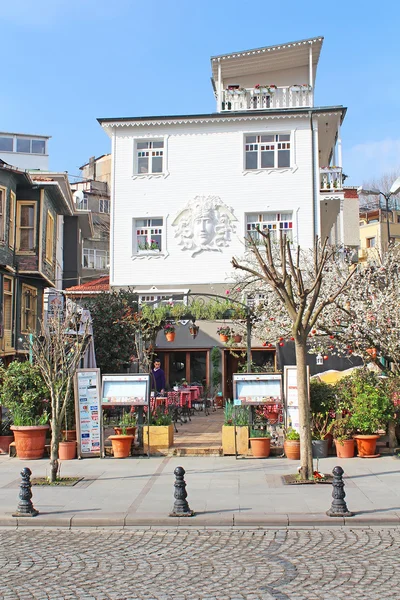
x=67 y=448
x=69 y=433
x=343 y=436
x=321 y=426
x=158 y=437
x=169 y=331
x=370 y=412
x=6 y=435
x=236 y=337
x=24 y=393
x=291 y=445
x=295 y=88
x=239 y=416
x=121 y=443
x=127 y=423
x=322 y=403
x=224 y=332
x=260 y=443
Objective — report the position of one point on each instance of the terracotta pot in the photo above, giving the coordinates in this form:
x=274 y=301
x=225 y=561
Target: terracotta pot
x=121 y=445
x=5 y=441
x=30 y=441
x=272 y=416
x=69 y=435
x=292 y=449
x=260 y=447
x=223 y=338
x=345 y=448
x=170 y=336
x=129 y=431
x=366 y=445
x=237 y=339
x=67 y=450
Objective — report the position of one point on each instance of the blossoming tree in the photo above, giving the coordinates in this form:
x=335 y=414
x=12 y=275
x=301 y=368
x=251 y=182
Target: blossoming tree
x=293 y=289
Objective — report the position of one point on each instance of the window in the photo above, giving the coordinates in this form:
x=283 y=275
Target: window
x=398 y=218
x=270 y=151
x=371 y=242
x=149 y=156
x=6 y=144
x=104 y=206
x=81 y=202
x=26 y=222
x=49 y=237
x=7 y=311
x=28 y=308
x=148 y=235
x=274 y=222
x=3 y=203
x=29 y=146
x=11 y=224
x=95 y=259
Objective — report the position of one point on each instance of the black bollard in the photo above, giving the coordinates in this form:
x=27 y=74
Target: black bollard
x=339 y=506
x=181 y=506
x=25 y=506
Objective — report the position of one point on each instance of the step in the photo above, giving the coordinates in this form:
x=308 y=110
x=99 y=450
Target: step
x=195 y=451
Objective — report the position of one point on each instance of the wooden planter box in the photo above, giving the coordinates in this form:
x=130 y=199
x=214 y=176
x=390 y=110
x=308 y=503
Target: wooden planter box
x=228 y=439
x=161 y=438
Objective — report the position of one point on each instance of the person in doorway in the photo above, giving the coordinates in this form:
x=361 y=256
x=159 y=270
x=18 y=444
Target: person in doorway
x=158 y=379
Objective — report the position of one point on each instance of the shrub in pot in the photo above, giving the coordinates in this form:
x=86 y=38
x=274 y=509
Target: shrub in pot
x=158 y=437
x=24 y=393
x=291 y=445
x=370 y=412
x=321 y=427
x=127 y=423
x=121 y=443
x=343 y=436
x=260 y=443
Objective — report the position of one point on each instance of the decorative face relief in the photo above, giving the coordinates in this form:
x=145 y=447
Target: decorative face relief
x=205 y=224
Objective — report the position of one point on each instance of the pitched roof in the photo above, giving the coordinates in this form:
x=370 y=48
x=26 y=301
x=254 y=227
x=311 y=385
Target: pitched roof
x=96 y=286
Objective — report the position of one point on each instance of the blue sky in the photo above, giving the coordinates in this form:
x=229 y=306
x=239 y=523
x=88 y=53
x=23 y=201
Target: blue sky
x=67 y=62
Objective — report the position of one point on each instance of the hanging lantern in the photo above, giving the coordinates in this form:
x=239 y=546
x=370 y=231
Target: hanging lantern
x=320 y=360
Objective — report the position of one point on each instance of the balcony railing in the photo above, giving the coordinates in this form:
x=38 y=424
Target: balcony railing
x=267 y=98
x=330 y=179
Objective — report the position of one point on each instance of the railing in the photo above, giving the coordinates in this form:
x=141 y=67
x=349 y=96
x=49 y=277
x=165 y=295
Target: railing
x=267 y=98
x=330 y=179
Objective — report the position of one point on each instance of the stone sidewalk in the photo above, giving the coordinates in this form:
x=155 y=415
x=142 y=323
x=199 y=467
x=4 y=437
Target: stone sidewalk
x=223 y=491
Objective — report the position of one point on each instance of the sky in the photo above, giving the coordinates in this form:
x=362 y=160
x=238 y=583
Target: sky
x=67 y=62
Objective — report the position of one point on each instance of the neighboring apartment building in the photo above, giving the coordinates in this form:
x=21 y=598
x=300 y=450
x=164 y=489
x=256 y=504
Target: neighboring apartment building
x=187 y=189
x=374 y=226
x=92 y=195
x=30 y=240
x=25 y=151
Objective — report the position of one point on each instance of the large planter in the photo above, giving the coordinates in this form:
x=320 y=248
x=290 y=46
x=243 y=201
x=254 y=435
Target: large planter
x=366 y=445
x=170 y=336
x=345 y=448
x=228 y=439
x=320 y=448
x=121 y=445
x=129 y=431
x=157 y=439
x=67 y=450
x=260 y=447
x=292 y=449
x=5 y=441
x=69 y=435
x=30 y=441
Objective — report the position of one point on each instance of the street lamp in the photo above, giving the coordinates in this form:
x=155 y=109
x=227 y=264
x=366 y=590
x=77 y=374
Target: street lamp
x=395 y=189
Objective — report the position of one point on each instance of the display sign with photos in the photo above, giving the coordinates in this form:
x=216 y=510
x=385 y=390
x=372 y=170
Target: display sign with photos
x=129 y=389
x=257 y=388
x=88 y=412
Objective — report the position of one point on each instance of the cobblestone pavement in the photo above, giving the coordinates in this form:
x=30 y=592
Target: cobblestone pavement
x=222 y=564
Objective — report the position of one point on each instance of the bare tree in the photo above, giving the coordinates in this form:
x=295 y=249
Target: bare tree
x=383 y=184
x=57 y=351
x=296 y=289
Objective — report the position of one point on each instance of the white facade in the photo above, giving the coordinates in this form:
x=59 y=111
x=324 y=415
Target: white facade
x=186 y=190
x=25 y=151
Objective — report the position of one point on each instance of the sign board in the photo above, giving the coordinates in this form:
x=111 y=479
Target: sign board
x=131 y=389
x=291 y=397
x=257 y=388
x=88 y=412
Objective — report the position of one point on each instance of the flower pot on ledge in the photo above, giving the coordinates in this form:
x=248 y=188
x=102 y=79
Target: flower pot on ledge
x=170 y=336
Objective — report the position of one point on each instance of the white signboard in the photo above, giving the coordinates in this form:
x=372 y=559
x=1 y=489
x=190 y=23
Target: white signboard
x=131 y=389
x=291 y=397
x=256 y=388
x=88 y=412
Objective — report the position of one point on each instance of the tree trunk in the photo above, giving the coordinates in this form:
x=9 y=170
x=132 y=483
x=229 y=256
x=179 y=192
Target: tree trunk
x=55 y=439
x=392 y=434
x=306 y=462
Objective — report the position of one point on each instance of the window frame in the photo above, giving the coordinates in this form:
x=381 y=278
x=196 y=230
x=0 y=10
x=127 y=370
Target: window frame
x=95 y=251
x=8 y=332
x=21 y=203
x=136 y=171
x=136 y=251
x=3 y=205
x=11 y=220
x=30 y=140
x=275 y=142
x=101 y=205
x=49 y=252
x=32 y=314
x=265 y=223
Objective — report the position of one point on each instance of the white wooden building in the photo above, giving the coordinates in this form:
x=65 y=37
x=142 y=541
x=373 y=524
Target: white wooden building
x=187 y=189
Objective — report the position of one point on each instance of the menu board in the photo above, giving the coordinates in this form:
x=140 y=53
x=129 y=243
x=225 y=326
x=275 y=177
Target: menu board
x=292 y=397
x=131 y=389
x=257 y=388
x=88 y=412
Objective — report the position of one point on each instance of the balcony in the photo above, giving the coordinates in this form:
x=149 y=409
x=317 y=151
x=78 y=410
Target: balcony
x=330 y=179
x=264 y=98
